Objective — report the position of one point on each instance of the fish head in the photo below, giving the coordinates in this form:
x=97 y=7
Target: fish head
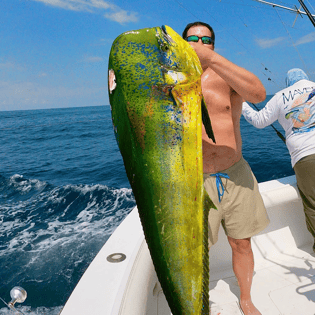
x=153 y=57
x=153 y=80
x=179 y=62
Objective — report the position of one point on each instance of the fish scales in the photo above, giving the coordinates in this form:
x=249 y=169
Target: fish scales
x=155 y=96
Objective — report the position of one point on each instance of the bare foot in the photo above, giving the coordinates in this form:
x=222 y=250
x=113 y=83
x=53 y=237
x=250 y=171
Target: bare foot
x=248 y=308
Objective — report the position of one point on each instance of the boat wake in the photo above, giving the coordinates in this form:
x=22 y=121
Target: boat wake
x=50 y=234
x=29 y=311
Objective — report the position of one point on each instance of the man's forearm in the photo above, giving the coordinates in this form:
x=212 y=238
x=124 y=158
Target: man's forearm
x=243 y=82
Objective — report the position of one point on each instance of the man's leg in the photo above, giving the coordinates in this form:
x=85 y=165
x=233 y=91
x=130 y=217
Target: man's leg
x=305 y=177
x=243 y=266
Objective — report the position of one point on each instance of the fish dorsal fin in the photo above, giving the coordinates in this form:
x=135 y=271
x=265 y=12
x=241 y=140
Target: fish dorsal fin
x=206 y=120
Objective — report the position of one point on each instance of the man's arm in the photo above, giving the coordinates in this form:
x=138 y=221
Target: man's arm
x=243 y=82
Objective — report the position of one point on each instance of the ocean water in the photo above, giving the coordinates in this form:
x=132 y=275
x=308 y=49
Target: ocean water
x=63 y=191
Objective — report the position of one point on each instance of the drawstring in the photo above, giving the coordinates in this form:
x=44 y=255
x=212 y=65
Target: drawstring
x=219 y=183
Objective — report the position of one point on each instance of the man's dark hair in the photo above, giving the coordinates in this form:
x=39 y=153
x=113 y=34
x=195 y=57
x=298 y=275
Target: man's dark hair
x=196 y=24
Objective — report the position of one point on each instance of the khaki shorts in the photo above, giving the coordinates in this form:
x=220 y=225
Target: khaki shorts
x=241 y=210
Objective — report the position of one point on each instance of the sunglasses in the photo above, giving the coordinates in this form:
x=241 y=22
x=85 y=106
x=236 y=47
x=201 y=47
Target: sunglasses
x=205 y=39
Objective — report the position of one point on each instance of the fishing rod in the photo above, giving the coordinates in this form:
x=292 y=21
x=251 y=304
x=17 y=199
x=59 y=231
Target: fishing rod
x=310 y=16
x=286 y=8
x=307 y=12
x=280 y=135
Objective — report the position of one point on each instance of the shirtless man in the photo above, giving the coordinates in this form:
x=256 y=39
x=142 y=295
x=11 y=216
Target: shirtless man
x=227 y=176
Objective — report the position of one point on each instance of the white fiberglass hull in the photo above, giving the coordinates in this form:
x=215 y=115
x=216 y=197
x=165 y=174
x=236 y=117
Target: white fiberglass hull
x=121 y=279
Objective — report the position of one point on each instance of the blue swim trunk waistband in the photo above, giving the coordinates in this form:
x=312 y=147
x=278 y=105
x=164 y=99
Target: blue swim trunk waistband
x=219 y=183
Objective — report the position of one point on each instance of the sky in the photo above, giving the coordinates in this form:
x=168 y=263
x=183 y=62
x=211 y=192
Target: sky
x=54 y=53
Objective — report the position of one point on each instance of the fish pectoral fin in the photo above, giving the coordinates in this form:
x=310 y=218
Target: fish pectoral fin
x=208 y=203
x=172 y=97
x=206 y=121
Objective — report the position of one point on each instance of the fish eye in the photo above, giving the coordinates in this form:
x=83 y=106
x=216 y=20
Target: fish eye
x=165 y=47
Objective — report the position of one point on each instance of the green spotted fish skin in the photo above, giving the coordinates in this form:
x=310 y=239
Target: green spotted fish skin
x=155 y=97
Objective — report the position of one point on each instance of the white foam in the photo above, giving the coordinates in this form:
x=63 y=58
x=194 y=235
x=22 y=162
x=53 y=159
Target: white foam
x=57 y=237
x=31 y=311
x=25 y=185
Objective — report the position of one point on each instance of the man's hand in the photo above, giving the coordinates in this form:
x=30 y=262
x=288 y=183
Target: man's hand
x=204 y=54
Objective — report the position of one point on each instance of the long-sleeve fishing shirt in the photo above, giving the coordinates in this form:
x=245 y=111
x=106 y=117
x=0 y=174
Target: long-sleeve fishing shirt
x=294 y=108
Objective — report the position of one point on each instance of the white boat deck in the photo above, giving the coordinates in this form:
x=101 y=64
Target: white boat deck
x=283 y=282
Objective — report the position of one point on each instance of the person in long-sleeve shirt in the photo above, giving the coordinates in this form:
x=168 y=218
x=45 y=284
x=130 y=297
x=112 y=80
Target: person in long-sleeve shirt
x=294 y=108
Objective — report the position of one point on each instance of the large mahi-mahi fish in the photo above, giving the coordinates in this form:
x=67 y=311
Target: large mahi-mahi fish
x=155 y=96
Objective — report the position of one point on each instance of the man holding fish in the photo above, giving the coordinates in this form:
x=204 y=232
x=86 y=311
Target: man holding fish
x=227 y=176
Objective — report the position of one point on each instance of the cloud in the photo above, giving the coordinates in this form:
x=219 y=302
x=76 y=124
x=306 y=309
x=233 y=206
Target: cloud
x=79 y=5
x=93 y=59
x=267 y=43
x=306 y=39
x=122 y=16
x=105 y=41
x=42 y=74
x=9 y=66
x=115 y=13
x=31 y=95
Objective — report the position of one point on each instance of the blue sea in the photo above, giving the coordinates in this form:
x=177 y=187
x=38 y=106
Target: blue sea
x=63 y=191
